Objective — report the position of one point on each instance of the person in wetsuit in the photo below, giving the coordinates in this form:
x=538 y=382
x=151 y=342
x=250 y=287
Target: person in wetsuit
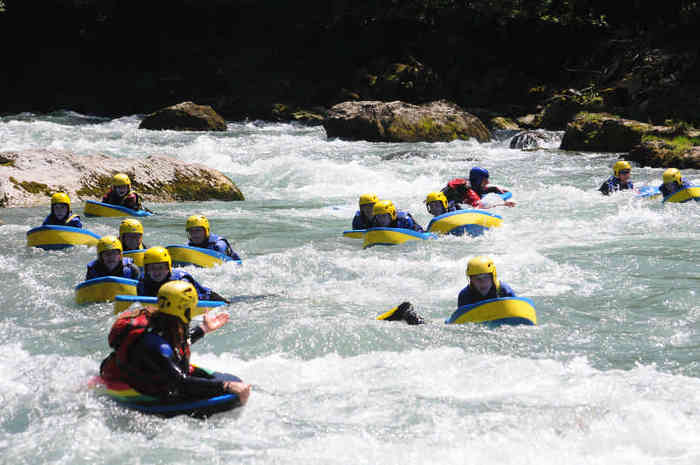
x=110 y=261
x=152 y=350
x=61 y=212
x=620 y=180
x=437 y=204
x=386 y=216
x=199 y=233
x=363 y=216
x=157 y=266
x=131 y=234
x=470 y=193
x=673 y=182
x=121 y=194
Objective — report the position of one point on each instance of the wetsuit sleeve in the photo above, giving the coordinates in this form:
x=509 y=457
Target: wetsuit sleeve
x=105 y=198
x=605 y=188
x=135 y=271
x=493 y=189
x=358 y=221
x=75 y=223
x=506 y=290
x=203 y=292
x=47 y=221
x=157 y=355
x=91 y=272
x=196 y=334
x=132 y=201
x=463 y=297
x=414 y=224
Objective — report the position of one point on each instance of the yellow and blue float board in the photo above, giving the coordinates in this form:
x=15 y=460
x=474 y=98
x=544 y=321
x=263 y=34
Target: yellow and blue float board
x=355 y=233
x=94 y=208
x=393 y=236
x=473 y=222
x=136 y=256
x=496 y=312
x=122 y=302
x=185 y=255
x=684 y=195
x=104 y=289
x=59 y=237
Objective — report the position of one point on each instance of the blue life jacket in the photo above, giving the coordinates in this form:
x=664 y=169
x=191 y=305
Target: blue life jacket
x=96 y=269
x=148 y=287
x=360 y=221
x=70 y=220
x=453 y=206
x=613 y=184
x=218 y=243
x=468 y=296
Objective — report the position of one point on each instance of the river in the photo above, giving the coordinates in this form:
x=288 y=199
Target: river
x=611 y=375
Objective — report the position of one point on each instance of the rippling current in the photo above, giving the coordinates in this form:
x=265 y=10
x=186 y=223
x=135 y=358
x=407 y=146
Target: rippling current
x=611 y=375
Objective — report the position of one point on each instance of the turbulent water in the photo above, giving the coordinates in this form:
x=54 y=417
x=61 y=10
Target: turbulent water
x=611 y=375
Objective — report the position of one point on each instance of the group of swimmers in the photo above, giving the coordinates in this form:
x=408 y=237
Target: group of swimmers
x=153 y=356
x=622 y=174
x=375 y=213
x=483 y=282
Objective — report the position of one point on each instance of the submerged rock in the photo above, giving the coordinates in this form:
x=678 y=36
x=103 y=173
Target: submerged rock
x=29 y=177
x=185 y=116
x=375 y=121
x=529 y=140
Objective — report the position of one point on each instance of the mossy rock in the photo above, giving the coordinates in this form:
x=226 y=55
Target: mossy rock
x=603 y=132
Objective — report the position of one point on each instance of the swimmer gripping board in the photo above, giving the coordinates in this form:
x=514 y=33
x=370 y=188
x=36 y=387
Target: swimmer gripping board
x=93 y=208
x=122 y=302
x=104 y=289
x=60 y=237
x=473 y=222
x=496 y=312
x=185 y=255
x=355 y=233
x=684 y=195
x=648 y=192
x=393 y=236
x=129 y=398
x=136 y=256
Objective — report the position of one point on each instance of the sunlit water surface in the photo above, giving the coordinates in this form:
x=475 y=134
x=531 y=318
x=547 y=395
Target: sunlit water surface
x=611 y=374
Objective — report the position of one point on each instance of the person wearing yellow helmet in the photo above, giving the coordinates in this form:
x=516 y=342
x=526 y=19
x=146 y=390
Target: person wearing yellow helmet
x=620 y=180
x=437 y=204
x=363 y=216
x=131 y=234
x=673 y=182
x=470 y=192
x=483 y=282
x=200 y=235
x=61 y=212
x=110 y=262
x=158 y=270
x=152 y=350
x=121 y=194
x=386 y=216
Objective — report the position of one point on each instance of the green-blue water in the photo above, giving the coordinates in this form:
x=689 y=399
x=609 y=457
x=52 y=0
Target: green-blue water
x=610 y=374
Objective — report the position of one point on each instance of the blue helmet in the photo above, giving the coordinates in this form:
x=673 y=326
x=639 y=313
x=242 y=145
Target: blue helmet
x=476 y=175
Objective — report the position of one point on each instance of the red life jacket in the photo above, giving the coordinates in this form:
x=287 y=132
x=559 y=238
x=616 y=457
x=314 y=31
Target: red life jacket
x=129 y=327
x=458 y=190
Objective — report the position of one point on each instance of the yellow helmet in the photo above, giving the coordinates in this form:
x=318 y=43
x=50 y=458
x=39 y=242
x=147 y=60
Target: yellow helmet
x=482 y=265
x=178 y=298
x=157 y=255
x=60 y=197
x=121 y=179
x=621 y=165
x=368 y=198
x=108 y=243
x=434 y=196
x=672 y=175
x=130 y=225
x=198 y=221
x=384 y=206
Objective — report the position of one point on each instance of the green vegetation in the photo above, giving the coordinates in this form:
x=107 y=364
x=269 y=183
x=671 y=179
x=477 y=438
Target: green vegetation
x=31 y=186
x=677 y=144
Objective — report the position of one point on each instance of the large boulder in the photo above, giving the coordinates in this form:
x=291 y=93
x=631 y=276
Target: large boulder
x=531 y=140
x=376 y=121
x=185 y=116
x=659 y=153
x=29 y=177
x=602 y=132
